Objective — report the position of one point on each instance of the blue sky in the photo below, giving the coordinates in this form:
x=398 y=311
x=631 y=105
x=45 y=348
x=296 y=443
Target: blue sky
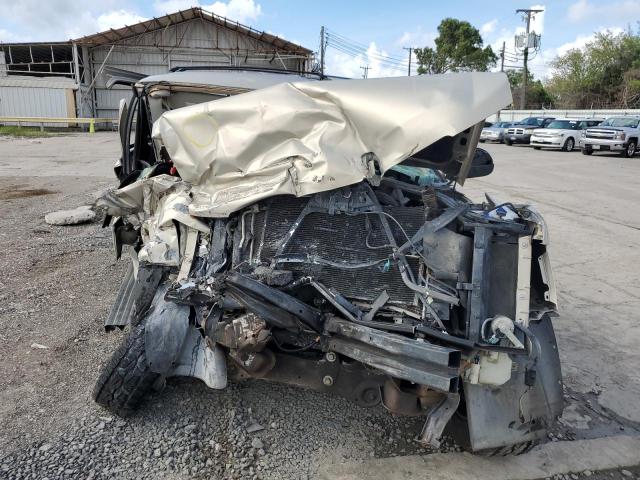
x=381 y=27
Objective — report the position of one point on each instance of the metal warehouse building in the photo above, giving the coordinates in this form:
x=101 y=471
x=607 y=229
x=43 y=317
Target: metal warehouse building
x=67 y=79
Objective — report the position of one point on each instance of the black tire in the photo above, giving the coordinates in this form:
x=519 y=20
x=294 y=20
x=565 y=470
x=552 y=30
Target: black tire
x=587 y=151
x=569 y=145
x=508 y=142
x=517 y=449
x=537 y=148
x=126 y=379
x=630 y=150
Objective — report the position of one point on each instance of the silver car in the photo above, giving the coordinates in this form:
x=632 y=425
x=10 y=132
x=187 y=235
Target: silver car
x=495 y=133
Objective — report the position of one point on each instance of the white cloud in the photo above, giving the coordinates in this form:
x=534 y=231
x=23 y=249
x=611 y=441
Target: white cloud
x=7 y=36
x=537 y=20
x=117 y=19
x=63 y=19
x=162 y=7
x=242 y=11
x=344 y=65
x=489 y=27
x=417 y=38
x=624 y=10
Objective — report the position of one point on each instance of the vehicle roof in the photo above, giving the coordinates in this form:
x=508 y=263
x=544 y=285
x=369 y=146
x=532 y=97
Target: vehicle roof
x=250 y=79
x=578 y=119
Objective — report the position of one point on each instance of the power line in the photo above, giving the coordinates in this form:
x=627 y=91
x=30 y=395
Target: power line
x=345 y=48
x=359 y=50
x=360 y=45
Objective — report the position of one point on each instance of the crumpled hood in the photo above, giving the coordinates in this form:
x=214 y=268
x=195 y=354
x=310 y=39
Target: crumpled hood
x=308 y=137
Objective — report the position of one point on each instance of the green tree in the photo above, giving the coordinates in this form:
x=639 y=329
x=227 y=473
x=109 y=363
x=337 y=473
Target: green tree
x=459 y=47
x=537 y=95
x=603 y=74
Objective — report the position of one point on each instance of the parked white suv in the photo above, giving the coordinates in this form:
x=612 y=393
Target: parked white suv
x=562 y=133
x=615 y=134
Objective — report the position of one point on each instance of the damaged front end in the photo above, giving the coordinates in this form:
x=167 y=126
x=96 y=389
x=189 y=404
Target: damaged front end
x=381 y=283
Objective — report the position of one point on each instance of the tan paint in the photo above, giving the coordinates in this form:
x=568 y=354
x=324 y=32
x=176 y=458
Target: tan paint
x=307 y=137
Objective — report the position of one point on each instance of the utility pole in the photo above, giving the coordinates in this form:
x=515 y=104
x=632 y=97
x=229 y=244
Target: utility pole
x=322 y=47
x=410 y=50
x=502 y=57
x=366 y=71
x=528 y=13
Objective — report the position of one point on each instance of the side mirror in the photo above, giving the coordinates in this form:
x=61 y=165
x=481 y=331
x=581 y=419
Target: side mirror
x=482 y=164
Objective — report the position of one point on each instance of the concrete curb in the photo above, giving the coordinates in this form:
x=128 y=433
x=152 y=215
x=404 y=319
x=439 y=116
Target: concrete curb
x=544 y=461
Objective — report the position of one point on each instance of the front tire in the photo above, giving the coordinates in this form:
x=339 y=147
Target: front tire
x=537 y=148
x=126 y=379
x=586 y=151
x=508 y=142
x=568 y=145
x=630 y=151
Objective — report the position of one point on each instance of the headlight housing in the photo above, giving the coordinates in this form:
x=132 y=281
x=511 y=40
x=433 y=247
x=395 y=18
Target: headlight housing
x=529 y=130
x=620 y=136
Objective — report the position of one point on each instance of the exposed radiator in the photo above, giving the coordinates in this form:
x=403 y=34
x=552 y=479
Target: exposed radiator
x=338 y=238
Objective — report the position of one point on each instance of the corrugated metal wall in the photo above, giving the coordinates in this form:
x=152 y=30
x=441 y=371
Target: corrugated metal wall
x=34 y=97
x=196 y=42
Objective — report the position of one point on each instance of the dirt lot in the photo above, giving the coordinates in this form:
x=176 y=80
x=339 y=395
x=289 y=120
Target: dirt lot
x=58 y=284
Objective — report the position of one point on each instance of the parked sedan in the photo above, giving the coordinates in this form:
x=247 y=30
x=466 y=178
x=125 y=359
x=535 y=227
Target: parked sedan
x=495 y=133
x=562 y=133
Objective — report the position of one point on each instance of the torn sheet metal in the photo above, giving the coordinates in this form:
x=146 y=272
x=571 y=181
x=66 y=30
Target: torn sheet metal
x=155 y=204
x=307 y=137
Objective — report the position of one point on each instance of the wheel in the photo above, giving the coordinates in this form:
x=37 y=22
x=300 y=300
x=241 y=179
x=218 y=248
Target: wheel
x=508 y=142
x=481 y=141
x=568 y=145
x=587 y=151
x=537 y=148
x=630 y=151
x=126 y=379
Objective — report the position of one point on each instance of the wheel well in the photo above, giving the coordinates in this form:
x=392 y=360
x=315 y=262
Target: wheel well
x=635 y=139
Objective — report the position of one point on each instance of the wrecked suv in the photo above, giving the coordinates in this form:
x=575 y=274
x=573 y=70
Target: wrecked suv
x=309 y=231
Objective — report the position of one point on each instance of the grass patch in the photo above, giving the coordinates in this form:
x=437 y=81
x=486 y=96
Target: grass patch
x=15 y=131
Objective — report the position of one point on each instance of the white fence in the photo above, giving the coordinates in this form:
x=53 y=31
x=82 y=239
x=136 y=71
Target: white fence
x=513 y=115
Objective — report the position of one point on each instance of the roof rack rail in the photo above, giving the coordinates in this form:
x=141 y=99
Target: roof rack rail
x=247 y=68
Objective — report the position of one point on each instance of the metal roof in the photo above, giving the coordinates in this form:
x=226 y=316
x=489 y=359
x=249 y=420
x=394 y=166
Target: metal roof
x=115 y=35
x=251 y=80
